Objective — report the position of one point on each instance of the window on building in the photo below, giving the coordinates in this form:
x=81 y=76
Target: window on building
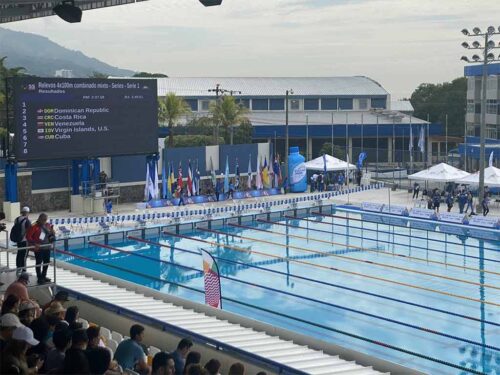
x=193 y=103
x=362 y=103
x=477 y=108
x=277 y=104
x=491 y=131
x=205 y=104
x=329 y=104
x=470 y=106
x=492 y=106
x=245 y=103
x=260 y=104
x=492 y=83
x=380 y=103
x=471 y=82
x=311 y=104
x=294 y=104
x=345 y=103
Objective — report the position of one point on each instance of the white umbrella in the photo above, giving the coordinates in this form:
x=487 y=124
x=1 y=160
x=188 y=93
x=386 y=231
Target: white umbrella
x=332 y=164
x=491 y=177
x=441 y=173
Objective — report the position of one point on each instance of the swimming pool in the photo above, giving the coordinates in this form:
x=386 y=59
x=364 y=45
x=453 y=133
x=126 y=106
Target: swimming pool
x=420 y=298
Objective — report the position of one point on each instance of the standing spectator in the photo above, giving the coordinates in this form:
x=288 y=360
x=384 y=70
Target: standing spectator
x=213 y=367
x=462 y=200
x=436 y=200
x=19 y=288
x=470 y=203
x=416 y=190
x=18 y=235
x=10 y=305
x=27 y=312
x=130 y=354
x=163 y=364
x=449 y=202
x=8 y=323
x=237 y=369
x=180 y=354
x=62 y=342
x=429 y=203
x=485 y=203
x=218 y=189
x=41 y=235
x=193 y=358
x=14 y=356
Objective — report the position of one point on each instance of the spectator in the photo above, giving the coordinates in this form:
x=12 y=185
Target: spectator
x=129 y=353
x=436 y=200
x=18 y=235
x=19 y=287
x=470 y=203
x=195 y=369
x=79 y=339
x=237 y=369
x=27 y=312
x=14 y=356
x=94 y=336
x=213 y=367
x=262 y=373
x=41 y=330
x=41 y=235
x=10 y=305
x=180 y=355
x=416 y=190
x=75 y=362
x=163 y=364
x=100 y=361
x=485 y=203
x=449 y=202
x=193 y=358
x=72 y=316
x=57 y=310
x=62 y=342
x=61 y=297
x=8 y=323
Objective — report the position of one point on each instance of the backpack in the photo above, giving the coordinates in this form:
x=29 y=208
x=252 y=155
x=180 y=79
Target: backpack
x=17 y=231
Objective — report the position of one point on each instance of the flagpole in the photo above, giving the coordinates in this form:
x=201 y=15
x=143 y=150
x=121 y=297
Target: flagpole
x=465 y=148
x=428 y=144
x=377 y=146
x=332 y=133
x=411 y=148
x=307 y=137
x=446 y=136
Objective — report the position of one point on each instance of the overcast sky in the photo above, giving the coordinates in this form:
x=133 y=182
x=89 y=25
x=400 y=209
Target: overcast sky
x=399 y=43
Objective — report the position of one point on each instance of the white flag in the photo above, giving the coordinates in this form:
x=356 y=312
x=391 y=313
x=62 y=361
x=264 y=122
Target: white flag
x=491 y=159
x=146 y=186
x=410 y=146
x=421 y=140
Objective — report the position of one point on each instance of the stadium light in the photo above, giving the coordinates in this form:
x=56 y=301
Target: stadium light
x=68 y=11
x=487 y=57
x=211 y=3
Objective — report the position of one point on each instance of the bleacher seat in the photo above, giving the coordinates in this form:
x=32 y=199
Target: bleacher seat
x=153 y=350
x=118 y=337
x=112 y=344
x=106 y=333
x=85 y=324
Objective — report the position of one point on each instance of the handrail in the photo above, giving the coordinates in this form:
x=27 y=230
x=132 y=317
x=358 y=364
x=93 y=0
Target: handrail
x=359 y=337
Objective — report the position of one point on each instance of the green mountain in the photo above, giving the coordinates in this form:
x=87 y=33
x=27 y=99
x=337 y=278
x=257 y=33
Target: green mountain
x=40 y=56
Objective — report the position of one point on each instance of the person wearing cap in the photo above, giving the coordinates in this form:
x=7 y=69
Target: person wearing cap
x=8 y=323
x=27 y=312
x=41 y=235
x=22 y=252
x=14 y=355
x=19 y=287
x=62 y=296
x=56 y=309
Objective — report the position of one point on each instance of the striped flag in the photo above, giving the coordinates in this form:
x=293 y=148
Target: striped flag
x=190 y=180
x=179 y=178
x=211 y=281
x=249 y=179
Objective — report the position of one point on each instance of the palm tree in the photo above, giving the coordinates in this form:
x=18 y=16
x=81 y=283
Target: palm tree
x=170 y=109
x=228 y=113
x=4 y=74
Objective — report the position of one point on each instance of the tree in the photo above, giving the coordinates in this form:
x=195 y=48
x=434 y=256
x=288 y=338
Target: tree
x=228 y=113
x=243 y=133
x=439 y=100
x=338 y=151
x=150 y=75
x=170 y=110
x=4 y=93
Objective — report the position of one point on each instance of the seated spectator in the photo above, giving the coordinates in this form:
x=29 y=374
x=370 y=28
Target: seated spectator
x=8 y=323
x=62 y=342
x=163 y=364
x=237 y=369
x=193 y=358
x=195 y=369
x=10 y=305
x=14 y=356
x=100 y=361
x=41 y=329
x=72 y=316
x=180 y=355
x=94 y=336
x=19 y=287
x=75 y=362
x=79 y=339
x=27 y=312
x=129 y=353
x=56 y=309
x=213 y=367
x=61 y=297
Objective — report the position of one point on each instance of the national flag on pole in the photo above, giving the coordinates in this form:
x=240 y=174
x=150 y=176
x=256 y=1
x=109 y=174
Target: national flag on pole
x=277 y=172
x=179 y=177
x=258 y=175
x=212 y=173
x=164 y=180
x=265 y=174
x=148 y=183
x=189 y=180
x=156 y=181
x=249 y=179
x=491 y=159
x=171 y=180
x=410 y=145
x=421 y=140
x=361 y=159
x=226 y=176
x=324 y=164
x=197 y=178
x=212 y=281
x=237 y=175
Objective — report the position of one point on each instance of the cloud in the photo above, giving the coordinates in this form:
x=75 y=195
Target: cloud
x=399 y=43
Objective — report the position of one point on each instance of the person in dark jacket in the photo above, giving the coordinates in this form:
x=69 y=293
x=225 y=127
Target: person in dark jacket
x=22 y=252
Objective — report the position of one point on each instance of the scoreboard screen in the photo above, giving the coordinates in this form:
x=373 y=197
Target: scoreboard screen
x=79 y=118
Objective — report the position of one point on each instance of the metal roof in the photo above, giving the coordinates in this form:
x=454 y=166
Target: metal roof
x=402 y=105
x=18 y=10
x=272 y=86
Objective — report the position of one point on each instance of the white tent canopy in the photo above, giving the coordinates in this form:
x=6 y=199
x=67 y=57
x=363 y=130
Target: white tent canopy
x=440 y=173
x=491 y=177
x=332 y=164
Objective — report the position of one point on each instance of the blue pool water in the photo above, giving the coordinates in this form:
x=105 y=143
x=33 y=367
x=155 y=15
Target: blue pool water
x=433 y=297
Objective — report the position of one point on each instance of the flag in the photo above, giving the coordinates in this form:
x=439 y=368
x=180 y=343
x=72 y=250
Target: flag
x=277 y=172
x=212 y=281
x=265 y=174
x=164 y=180
x=148 y=181
x=226 y=176
x=156 y=181
x=249 y=179
x=258 y=175
x=212 y=173
x=410 y=145
x=237 y=175
x=324 y=164
x=171 y=179
x=179 y=177
x=361 y=159
x=421 y=140
x=189 y=186
x=197 y=179
x=491 y=159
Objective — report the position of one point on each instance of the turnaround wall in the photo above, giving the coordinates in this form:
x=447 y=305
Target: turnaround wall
x=46 y=185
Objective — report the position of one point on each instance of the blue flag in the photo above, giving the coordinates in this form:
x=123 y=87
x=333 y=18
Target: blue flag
x=226 y=176
x=164 y=180
x=237 y=175
x=361 y=158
